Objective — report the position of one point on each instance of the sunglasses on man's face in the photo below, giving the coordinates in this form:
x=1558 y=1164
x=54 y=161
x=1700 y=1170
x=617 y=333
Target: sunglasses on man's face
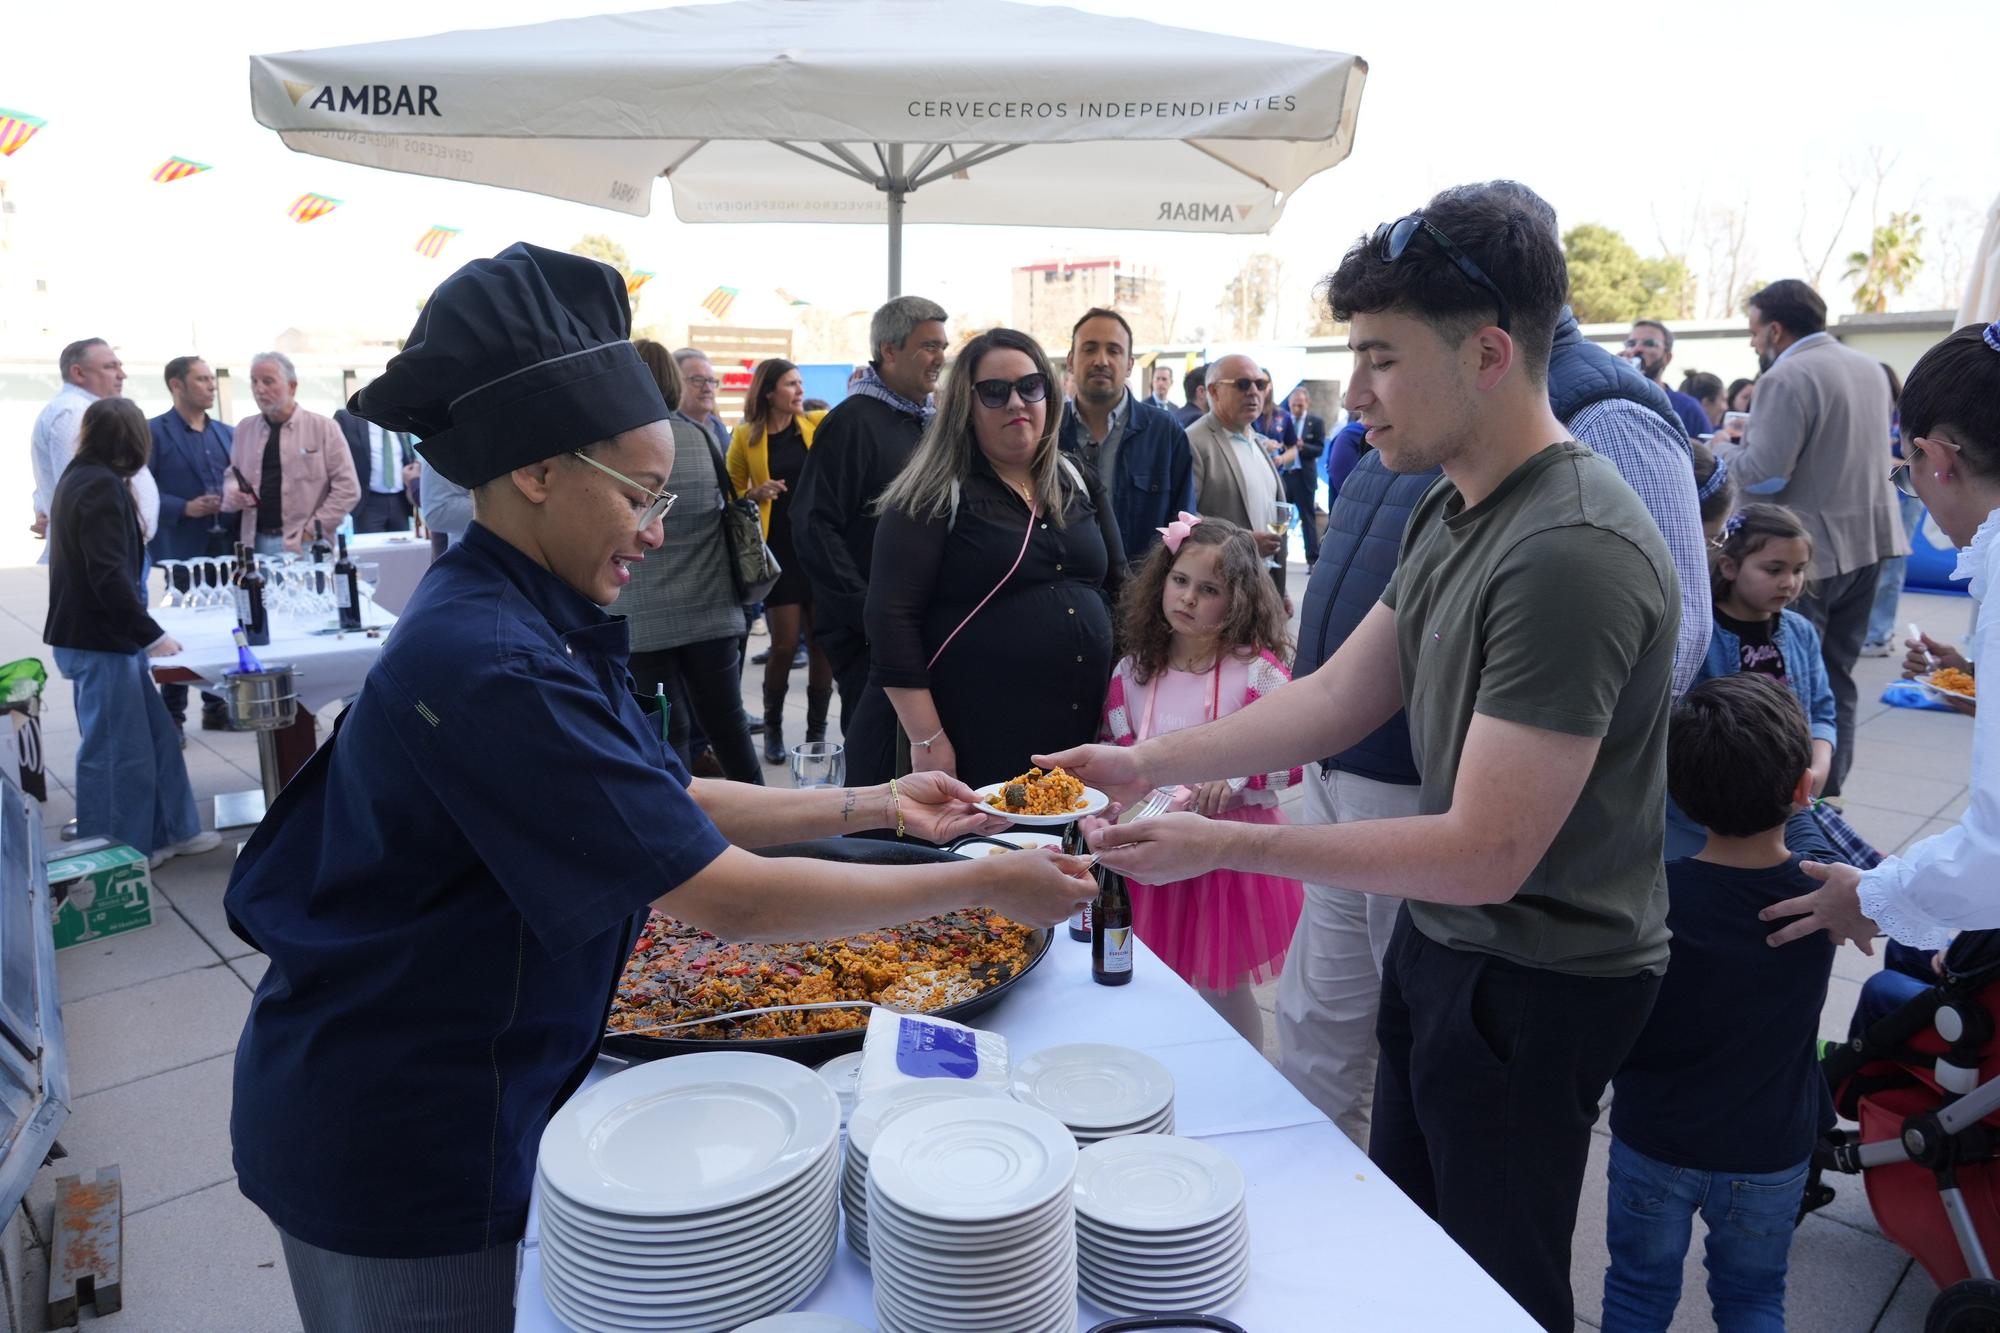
x=1392 y=242
x=995 y=393
x=1244 y=384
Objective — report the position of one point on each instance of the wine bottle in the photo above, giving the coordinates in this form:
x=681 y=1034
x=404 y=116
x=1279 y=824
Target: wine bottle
x=245 y=659
x=235 y=577
x=346 y=587
x=250 y=608
x=1074 y=845
x=1111 y=937
x=322 y=555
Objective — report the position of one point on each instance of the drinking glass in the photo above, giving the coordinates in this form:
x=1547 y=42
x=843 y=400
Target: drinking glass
x=215 y=519
x=1282 y=522
x=368 y=575
x=819 y=764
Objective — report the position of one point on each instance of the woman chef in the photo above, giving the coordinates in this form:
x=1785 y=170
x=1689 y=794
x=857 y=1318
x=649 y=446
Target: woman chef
x=448 y=890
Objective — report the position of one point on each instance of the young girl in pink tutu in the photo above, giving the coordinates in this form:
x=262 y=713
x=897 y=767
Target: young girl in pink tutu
x=1205 y=634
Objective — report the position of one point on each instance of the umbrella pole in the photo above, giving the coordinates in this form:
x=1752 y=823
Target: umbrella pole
x=896 y=184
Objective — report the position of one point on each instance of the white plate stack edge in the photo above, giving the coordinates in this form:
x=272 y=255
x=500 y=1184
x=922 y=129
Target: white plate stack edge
x=1161 y=1226
x=1099 y=1091
x=868 y=1121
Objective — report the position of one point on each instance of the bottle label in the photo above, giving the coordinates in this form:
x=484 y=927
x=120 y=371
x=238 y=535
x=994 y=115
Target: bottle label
x=243 y=607
x=1080 y=919
x=1118 y=949
x=925 y=1050
x=343 y=593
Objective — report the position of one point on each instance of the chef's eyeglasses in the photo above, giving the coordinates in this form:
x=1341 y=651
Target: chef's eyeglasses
x=995 y=393
x=1392 y=241
x=662 y=501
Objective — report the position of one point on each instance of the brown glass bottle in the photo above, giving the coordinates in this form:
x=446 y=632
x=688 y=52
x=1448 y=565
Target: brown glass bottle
x=1074 y=845
x=1111 y=931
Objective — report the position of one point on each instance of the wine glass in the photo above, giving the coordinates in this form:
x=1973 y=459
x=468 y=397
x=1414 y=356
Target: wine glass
x=1284 y=516
x=173 y=574
x=215 y=519
x=368 y=574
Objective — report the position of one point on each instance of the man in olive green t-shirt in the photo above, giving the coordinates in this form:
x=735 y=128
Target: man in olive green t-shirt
x=1529 y=634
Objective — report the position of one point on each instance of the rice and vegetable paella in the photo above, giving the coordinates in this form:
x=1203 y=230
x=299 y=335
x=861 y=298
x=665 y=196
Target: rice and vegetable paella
x=1037 y=793
x=677 y=972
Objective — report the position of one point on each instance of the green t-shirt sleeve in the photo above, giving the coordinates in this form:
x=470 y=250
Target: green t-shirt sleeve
x=1569 y=612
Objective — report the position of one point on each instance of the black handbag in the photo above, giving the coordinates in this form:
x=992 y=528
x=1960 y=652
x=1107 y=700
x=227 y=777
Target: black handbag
x=751 y=562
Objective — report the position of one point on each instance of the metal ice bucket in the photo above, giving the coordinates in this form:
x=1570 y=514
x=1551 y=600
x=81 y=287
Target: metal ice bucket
x=266 y=700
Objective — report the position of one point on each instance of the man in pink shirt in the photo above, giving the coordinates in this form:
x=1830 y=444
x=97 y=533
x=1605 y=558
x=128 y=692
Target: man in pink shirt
x=309 y=476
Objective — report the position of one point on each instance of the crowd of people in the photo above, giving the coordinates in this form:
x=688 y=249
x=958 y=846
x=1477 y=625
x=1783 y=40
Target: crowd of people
x=1572 y=678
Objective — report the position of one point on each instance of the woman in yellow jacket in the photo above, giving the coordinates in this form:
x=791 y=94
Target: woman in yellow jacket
x=766 y=455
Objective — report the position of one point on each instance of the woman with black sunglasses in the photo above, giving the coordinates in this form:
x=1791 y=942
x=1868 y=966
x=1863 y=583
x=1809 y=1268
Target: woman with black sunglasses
x=997 y=564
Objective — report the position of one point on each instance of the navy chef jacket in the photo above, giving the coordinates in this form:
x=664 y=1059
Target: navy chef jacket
x=447 y=893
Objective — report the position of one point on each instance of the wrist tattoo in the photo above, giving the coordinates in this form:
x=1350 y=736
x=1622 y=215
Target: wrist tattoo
x=847 y=806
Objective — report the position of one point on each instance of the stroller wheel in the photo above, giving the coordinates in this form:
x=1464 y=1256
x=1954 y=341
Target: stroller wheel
x=1971 y=1306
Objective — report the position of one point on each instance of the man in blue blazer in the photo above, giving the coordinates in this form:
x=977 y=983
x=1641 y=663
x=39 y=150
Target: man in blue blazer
x=190 y=456
x=1138 y=450
x=385 y=462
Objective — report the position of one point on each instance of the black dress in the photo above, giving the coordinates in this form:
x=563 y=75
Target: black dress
x=1028 y=673
x=787 y=455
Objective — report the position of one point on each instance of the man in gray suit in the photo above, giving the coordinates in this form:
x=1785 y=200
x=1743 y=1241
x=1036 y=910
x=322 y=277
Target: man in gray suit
x=1820 y=424
x=1234 y=477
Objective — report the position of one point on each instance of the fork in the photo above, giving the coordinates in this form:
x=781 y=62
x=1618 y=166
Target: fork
x=1155 y=804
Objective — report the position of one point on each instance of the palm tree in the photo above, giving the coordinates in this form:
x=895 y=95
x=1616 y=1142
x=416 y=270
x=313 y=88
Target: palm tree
x=1890 y=264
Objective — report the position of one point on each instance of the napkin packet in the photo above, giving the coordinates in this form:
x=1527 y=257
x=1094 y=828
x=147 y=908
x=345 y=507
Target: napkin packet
x=907 y=1048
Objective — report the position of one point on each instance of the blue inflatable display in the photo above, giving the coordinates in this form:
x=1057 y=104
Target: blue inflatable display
x=1932 y=558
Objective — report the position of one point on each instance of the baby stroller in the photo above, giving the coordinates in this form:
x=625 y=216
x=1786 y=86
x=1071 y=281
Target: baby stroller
x=1924 y=1084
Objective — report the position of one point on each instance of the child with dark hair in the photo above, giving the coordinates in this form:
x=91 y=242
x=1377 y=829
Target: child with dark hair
x=1714 y=492
x=1951 y=462
x=1718 y=1106
x=1206 y=636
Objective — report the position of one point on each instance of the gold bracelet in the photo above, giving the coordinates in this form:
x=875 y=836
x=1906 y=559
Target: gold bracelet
x=896 y=799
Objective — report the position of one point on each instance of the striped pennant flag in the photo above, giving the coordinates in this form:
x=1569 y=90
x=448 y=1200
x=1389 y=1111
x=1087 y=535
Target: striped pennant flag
x=178 y=168
x=432 y=243
x=636 y=279
x=307 y=207
x=16 y=128
x=719 y=301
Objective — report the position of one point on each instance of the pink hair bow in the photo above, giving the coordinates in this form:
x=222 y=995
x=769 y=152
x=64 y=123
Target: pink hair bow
x=1172 y=535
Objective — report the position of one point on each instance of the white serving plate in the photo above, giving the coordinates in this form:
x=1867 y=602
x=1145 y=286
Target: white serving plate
x=696 y=1228
x=982 y=1160
x=1091 y=1086
x=975 y=850
x=876 y=1113
x=690 y=1135
x=1095 y=802
x=1157 y=1183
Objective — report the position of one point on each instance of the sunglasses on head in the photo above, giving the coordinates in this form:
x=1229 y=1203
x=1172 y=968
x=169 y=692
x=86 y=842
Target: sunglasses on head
x=1392 y=242
x=995 y=393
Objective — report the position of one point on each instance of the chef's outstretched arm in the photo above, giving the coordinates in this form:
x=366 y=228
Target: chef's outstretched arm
x=932 y=806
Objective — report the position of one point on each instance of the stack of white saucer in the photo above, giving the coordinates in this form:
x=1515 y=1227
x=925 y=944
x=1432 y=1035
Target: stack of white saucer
x=1161 y=1225
x=1099 y=1091
x=971 y=1220
x=870 y=1118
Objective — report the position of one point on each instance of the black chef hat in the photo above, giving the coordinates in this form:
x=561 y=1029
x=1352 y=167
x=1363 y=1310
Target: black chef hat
x=515 y=359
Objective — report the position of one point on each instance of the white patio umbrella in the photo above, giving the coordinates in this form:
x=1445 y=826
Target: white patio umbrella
x=869 y=111
x=1982 y=284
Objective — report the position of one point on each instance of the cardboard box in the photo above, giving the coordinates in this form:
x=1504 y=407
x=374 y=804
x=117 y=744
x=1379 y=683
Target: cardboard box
x=99 y=893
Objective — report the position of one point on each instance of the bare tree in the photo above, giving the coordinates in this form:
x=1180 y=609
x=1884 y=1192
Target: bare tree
x=1725 y=233
x=1250 y=295
x=1816 y=268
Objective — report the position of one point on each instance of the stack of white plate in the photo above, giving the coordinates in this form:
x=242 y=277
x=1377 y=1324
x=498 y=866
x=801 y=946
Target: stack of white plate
x=692 y=1193
x=971 y=1220
x=1100 y=1092
x=843 y=1075
x=866 y=1125
x=1160 y=1226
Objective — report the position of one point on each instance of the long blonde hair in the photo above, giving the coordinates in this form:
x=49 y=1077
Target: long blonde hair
x=928 y=485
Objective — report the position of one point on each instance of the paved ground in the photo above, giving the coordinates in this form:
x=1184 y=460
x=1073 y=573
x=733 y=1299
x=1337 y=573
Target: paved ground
x=152 y=1021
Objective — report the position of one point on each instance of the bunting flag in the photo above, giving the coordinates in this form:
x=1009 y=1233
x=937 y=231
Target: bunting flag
x=432 y=242
x=636 y=279
x=789 y=299
x=178 y=168
x=16 y=128
x=307 y=207
x=719 y=301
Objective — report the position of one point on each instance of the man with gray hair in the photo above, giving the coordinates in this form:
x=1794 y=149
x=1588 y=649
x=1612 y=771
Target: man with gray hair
x=90 y=370
x=858 y=450
x=1234 y=477
x=288 y=468
x=698 y=385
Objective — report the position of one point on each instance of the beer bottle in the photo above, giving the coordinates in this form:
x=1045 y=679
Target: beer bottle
x=250 y=608
x=1111 y=937
x=346 y=588
x=1073 y=844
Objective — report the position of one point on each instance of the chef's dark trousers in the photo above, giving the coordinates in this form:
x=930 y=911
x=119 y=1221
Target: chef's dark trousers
x=453 y=1293
x=710 y=677
x=1839 y=608
x=1489 y=1081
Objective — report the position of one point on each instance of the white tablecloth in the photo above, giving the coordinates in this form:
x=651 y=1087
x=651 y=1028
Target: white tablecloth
x=403 y=559
x=330 y=666
x=1332 y=1243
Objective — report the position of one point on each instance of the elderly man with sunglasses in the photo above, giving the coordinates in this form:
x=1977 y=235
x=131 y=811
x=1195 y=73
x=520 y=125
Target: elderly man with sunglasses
x=1234 y=477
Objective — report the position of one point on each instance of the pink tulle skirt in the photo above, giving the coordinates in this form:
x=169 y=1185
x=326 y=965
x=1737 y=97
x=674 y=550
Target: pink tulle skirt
x=1216 y=928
